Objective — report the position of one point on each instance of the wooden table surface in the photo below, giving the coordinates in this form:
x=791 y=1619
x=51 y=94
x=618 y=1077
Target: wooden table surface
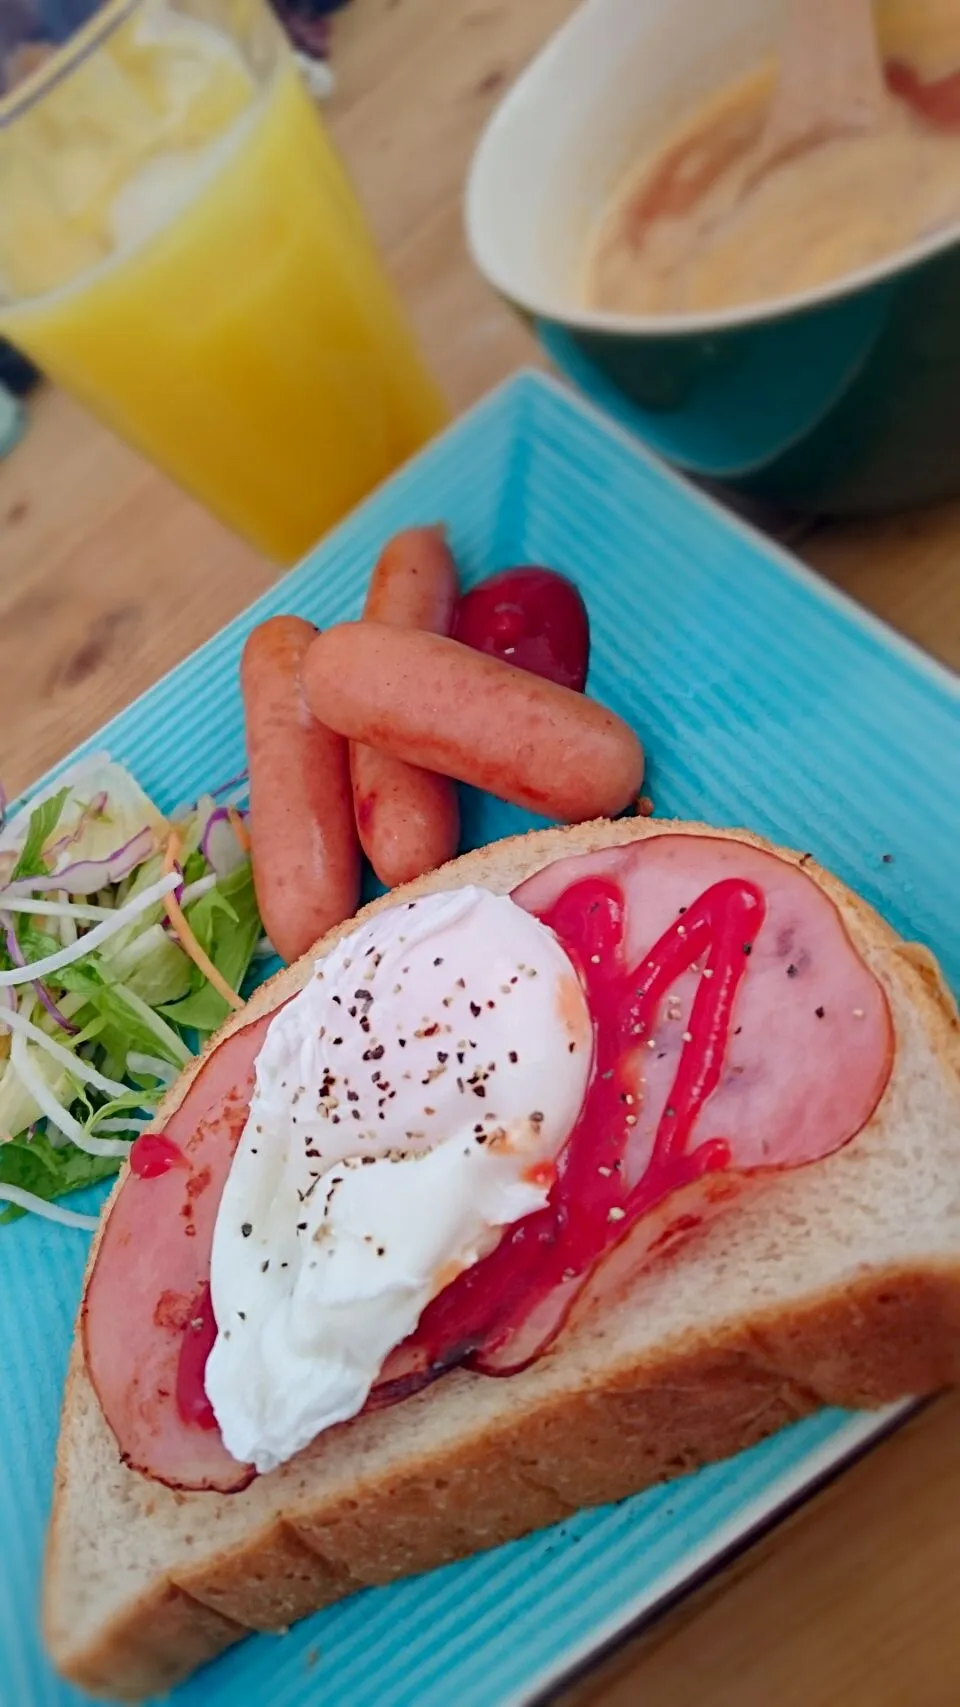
x=108 y=575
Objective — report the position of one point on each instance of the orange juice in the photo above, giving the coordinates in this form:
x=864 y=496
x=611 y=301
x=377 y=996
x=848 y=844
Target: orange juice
x=235 y=325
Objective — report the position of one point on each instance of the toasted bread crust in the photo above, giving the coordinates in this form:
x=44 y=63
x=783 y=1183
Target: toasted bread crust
x=550 y=1448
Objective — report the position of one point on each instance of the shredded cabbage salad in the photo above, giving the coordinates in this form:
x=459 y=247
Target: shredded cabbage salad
x=125 y=937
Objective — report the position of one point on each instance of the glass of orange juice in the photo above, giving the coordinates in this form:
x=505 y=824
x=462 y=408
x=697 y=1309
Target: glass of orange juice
x=181 y=249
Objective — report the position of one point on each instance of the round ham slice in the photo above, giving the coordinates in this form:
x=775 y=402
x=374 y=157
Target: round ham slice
x=808 y=1053
x=811 y=1045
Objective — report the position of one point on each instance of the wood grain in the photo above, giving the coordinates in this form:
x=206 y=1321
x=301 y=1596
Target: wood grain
x=108 y=575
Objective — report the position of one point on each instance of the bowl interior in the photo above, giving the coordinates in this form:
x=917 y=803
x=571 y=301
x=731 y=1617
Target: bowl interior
x=619 y=75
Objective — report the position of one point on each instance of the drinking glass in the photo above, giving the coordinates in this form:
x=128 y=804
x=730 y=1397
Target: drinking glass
x=181 y=249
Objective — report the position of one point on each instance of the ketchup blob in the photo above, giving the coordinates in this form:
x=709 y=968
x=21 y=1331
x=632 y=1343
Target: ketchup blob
x=195 y=1347
x=530 y=617
x=153 y=1154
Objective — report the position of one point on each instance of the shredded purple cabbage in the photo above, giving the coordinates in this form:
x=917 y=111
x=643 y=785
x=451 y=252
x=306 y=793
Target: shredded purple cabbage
x=87 y=876
x=231 y=782
x=16 y=955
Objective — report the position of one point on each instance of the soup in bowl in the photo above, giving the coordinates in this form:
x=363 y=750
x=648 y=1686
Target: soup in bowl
x=794 y=334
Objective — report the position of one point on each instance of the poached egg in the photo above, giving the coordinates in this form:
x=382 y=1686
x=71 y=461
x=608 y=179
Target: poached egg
x=410 y=1103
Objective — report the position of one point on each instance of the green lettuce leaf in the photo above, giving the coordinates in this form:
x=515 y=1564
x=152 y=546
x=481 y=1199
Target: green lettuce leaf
x=226 y=923
x=36 y=1166
x=17 y=1107
x=125 y=1018
x=43 y=822
x=152 y=966
x=194 y=866
x=35 y=943
x=132 y=886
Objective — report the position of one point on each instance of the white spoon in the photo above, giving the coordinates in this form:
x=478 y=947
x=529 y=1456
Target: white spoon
x=830 y=81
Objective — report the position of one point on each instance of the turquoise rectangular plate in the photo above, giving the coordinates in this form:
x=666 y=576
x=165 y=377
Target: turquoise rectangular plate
x=765 y=699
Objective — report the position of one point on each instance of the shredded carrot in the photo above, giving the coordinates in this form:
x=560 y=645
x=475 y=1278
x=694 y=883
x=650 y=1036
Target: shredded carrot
x=239 y=828
x=188 y=941
x=171 y=853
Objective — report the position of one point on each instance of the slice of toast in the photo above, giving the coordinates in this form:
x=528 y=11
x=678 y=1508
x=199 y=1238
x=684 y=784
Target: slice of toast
x=836 y=1283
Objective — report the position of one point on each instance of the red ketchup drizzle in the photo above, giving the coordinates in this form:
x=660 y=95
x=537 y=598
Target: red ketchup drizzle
x=195 y=1347
x=589 y=1210
x=530 y=617
x=153 y=1154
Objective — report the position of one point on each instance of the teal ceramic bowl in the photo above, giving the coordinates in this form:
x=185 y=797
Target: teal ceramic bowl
x=842 y=400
